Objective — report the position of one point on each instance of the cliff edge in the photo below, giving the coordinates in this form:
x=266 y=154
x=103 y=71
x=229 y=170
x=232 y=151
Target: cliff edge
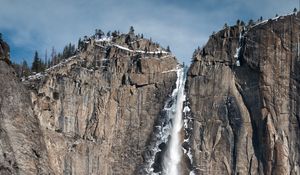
x=98 y=108
x=22 y=147
x=243 y=88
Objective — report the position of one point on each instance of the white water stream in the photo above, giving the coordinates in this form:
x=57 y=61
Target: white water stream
x=173 y=153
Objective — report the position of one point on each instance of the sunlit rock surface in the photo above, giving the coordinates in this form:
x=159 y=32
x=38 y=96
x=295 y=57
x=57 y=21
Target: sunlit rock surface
x=98 y=109
x=243 y=88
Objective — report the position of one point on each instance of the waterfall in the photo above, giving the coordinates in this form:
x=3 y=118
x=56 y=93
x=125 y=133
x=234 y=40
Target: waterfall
x=161 y=159
x=173 y=154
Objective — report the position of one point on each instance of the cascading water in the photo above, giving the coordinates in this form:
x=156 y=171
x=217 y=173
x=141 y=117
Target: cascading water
x=173 y=154
x=161 y=159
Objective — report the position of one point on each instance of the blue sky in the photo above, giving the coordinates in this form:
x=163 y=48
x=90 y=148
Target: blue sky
x=29 y=25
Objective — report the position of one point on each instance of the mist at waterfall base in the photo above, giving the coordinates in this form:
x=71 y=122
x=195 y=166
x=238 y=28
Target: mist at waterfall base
x=172 y=157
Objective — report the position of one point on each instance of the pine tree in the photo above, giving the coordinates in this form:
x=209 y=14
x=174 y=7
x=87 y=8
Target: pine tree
x=46 y=59
x=114 y=34
x=69 y=50
x=25 y=69
x=168 y=49
x=108 y=34
x=17 y=69
x=53 y=56
x=36 y=64
x=79 y=44
x=58 y=57
x=98 y=33
x=73 y=50
x=242 y=23
x=131 y=30
x=85 y=38
x=128 y=40
x=225 y=26
x=65 y=53
x=251 y=22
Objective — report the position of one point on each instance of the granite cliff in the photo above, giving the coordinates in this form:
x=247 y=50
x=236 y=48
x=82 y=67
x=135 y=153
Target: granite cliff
x=243 y=89
x=4 y=50
x=22 y=146
x=98 y=109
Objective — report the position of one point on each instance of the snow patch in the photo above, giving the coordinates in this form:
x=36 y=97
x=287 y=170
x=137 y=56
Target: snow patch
x=62 y=63
x=103 y=39
x=123 y=48
x=185 y=123
x=100 y=45
x=167 y=71
x=259 y=23
x=36 y=76
x=189 y=154
x=274 y=19
x=140 y=51
x=186 y=109
x=192 y=173
x=236 y=55
x=237 y=63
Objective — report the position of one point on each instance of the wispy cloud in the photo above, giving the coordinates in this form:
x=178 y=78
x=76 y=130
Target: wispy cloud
x=40 y=24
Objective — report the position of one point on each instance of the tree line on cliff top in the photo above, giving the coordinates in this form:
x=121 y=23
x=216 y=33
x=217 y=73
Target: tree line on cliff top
x=40 y=64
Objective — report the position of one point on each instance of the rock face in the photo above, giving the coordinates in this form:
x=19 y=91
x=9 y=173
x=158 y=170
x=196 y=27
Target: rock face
x=98 y=109
x=243 y=89
x=22 y=148
x=4 y=51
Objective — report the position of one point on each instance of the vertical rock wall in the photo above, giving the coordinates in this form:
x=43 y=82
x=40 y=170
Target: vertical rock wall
x=246 y=105
x=22 y=146
x=98 y=109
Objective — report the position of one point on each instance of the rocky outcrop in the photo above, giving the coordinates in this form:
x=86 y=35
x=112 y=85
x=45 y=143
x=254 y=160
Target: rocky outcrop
x=243 y=89
x=4 y=50
x=22 y=148
x=98 y=109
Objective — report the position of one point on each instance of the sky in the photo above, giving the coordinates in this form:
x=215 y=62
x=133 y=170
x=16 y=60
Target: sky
x=29 y=25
